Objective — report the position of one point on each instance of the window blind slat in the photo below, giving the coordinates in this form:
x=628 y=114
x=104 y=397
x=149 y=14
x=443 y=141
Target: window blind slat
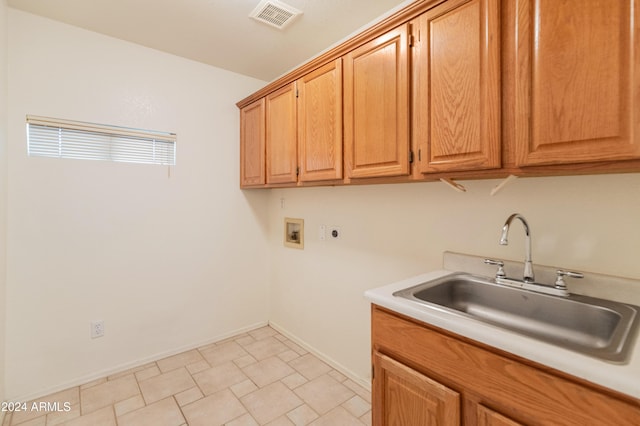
x=90 y=141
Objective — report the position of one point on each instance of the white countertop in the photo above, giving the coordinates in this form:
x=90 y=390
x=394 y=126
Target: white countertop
x=624 y=378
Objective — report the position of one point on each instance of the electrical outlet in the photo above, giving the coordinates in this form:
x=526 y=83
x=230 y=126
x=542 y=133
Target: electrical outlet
x=97 y=329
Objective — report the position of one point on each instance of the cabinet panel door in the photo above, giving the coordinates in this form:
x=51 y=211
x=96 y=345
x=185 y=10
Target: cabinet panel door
x=376 y=107
x=252 y=144
x=488 y=417
x=282 y=159
x=404 y=397
x=320 y=123
x=457 y=86
x=577 y=73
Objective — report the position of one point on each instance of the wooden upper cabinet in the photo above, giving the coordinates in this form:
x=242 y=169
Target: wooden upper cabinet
x=577 y=73
x=320 y=123
x=281 y=135
x=404 y=397
x=252 y=144
x=456 y=75
x=376 y=107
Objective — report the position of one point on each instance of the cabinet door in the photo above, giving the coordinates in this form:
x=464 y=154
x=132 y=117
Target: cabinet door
x=252 y=143
x=320 y=123
x=376 y=107
x=488 y=417
x=456 y=64
x=404 y=397
x=281 y=142
x=577 y=91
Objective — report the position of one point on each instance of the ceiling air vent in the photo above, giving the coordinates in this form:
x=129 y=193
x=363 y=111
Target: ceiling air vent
x=274 y=13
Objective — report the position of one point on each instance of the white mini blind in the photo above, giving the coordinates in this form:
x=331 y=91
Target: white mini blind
x=50 y=137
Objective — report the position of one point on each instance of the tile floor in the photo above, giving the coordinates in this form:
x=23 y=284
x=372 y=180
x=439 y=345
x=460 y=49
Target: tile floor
x=255 y=378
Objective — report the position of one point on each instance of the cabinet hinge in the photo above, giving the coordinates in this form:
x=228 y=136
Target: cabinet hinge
x=410 y=157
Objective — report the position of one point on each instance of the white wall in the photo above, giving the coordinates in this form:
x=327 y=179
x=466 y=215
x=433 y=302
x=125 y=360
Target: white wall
x=166 y=262
x=3 y=185
x=390 y=232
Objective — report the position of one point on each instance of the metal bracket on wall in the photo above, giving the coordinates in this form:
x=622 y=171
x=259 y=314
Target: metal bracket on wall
x=502 y=184
x=454 y=185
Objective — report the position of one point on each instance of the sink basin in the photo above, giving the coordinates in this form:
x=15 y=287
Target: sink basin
x=595 y=327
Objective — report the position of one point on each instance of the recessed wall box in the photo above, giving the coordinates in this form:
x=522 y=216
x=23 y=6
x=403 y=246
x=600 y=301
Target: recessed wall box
x=294 y=233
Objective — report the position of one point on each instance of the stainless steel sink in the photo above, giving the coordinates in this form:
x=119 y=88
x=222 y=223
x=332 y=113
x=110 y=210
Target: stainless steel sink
x=594 y=327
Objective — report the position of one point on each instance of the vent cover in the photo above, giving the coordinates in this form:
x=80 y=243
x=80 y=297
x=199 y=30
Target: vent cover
x=275 y=13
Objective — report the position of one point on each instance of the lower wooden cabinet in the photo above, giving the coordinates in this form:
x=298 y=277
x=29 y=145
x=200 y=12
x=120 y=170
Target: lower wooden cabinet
x=488 y=417
x=426 y=376
x=408 y=398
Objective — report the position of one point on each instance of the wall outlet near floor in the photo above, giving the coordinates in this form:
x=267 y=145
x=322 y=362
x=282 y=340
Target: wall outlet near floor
x=97 y=329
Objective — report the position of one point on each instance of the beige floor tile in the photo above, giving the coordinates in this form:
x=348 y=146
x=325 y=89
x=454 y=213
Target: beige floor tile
x=162 y=413
x=303 y=415
x=268 y=371
x=337 y=416
x=180 y=360
x=310 y=366
x=59 y=417
x=359 y=390
x=189 y=396
x=263 y=332
x=128 y=405
x=223 y=353
x=265 y=348
x=46 y=405
x=278 y=382
x=366 y=419
x=215 y=409
x=198 y=367
x=101 y=417
x=288 y=355
x=243 y=388
x=295 y=347
x=148 y=373
x=219 y=377
x=294 y=380
x=167 y=384
x=337 y=375
x=132 y=370
x=357 y=406
x=38 y=421
x=244 y=340
x=244 y=420
x=324 y=393
x=244 y=361
x=6 y=419
x=281 y=421
x=108 y=393
x=281 y=337
x=270 y=402
x=93 y=383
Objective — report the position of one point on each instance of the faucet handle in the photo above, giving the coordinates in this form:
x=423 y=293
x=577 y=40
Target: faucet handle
x=560 y=274
x=500 y=264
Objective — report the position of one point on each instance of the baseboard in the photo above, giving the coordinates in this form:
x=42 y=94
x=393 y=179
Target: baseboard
x=365 y=383
x=123 y=367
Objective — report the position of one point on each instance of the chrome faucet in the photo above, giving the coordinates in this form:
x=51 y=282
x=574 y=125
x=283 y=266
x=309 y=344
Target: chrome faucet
x=528 y=266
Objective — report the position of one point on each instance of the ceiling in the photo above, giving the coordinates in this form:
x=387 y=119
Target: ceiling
x=219 y=32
